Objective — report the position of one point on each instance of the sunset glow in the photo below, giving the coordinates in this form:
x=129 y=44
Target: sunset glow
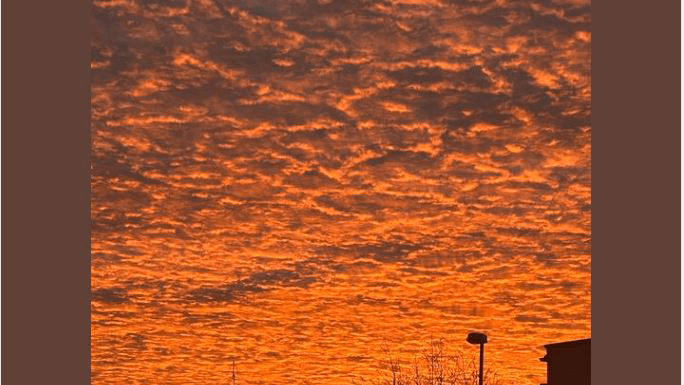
x=296 y=185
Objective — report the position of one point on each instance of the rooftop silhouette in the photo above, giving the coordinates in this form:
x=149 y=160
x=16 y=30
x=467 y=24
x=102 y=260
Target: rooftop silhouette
x=568 y=363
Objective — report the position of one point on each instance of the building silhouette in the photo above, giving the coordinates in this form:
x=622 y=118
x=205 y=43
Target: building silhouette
x=568 y=363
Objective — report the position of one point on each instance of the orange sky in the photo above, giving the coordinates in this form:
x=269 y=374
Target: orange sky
x=297 y=184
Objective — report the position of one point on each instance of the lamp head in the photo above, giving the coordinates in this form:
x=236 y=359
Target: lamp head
x=477 y=338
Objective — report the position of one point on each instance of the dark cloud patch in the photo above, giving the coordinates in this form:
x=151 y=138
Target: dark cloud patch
x=383 y=251
x=473 y=76
x=258 y=61
x=257 y=282
x=566 y=176
x=207 y=319
x=410 y=159
x=423 y=272
x=459 y=143
x=165 y=4
x=526 y=91
x=353 y=266
x=215 y=93
x=280 y=277
x=290 y=113
x=104 y=258
x=311 y=179
x=113 y=295
x=507 y=211
x=495 y=17
x=574 y=121
x=547 y=23
x=524 y=160
x=358 y=358
x=518 y=232
x=530 y=319
x=467 y=171
x=135 y=341
x=580 y=11
x=266 y=9
x=229 y=293
x=362 y=299
x=267 y=166
x=537 y=186
x=386 y=251
x=418 y=75
x=112 y=168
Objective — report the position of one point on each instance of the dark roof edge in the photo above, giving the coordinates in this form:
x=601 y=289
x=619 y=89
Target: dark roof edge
x=569 y=343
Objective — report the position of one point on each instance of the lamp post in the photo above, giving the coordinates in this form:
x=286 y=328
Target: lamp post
x=478 y=339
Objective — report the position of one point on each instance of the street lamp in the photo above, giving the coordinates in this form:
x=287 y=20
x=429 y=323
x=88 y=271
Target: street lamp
x=478 y=339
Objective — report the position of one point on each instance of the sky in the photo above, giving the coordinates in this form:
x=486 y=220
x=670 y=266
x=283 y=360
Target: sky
x=297 y=185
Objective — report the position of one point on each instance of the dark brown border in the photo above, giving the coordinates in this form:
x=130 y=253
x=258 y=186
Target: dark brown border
x=45 y=192
x=636 y=192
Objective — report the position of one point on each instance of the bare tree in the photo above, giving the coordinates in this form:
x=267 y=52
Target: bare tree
x=436 y=366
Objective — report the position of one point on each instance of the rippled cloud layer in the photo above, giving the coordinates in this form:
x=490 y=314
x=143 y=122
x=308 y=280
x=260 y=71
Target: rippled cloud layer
x=295 y=184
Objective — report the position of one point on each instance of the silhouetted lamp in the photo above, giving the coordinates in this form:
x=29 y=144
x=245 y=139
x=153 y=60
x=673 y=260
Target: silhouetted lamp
x=478 y=339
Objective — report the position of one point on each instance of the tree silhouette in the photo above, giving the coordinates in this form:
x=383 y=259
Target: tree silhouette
x=435 y=366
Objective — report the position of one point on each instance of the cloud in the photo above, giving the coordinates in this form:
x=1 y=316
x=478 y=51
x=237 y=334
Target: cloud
x=257 y=282
x=258 y=165
x=110 y=295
